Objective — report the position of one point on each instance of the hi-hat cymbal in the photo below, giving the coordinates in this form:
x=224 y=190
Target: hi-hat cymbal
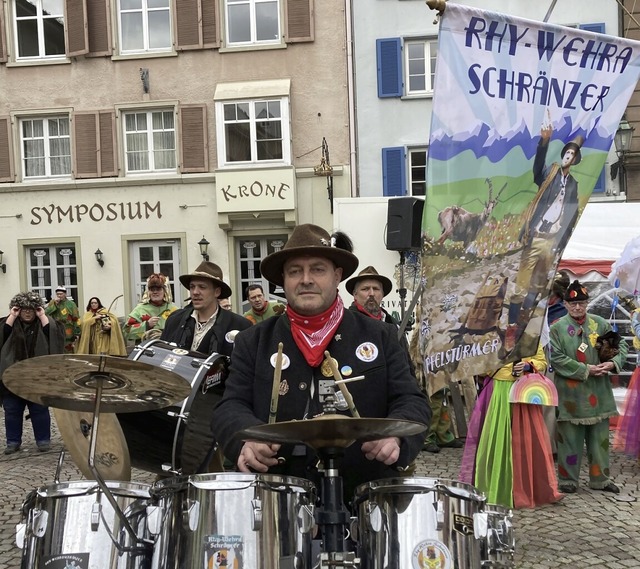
x=332 y=431
x=69 y=381
x=112 y=453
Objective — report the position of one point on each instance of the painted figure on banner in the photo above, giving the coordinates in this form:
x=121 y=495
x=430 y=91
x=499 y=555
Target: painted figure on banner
x=544 y=233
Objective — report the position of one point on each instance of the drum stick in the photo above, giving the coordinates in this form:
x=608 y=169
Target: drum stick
x=350 y=379
x=275 y=391
x=341 y=384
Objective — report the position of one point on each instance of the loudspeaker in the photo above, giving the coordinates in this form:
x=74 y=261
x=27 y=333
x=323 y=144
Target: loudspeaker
x=404 y=221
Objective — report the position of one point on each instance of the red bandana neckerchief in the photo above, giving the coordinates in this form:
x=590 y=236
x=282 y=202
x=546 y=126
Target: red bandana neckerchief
x=312 y=334
x=365 y=311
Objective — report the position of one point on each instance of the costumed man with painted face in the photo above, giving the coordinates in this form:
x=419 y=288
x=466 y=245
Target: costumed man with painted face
x=27 y=332
x=547 y=228
x=585 y=395
x=309 y=268
x=65 y=311
x=203 y=326
x=147 y=320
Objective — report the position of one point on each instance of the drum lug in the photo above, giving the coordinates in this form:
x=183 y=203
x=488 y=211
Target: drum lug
x=439 y=515
x=191 y=515
x=183 y=416
x=39 y=519
x=353 y=529
x=95 y=516
x=306 y=518
x=154 y=519
x=20 y=531
x=256 y=520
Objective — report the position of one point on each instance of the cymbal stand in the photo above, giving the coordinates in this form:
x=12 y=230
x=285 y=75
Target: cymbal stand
x=98 y=377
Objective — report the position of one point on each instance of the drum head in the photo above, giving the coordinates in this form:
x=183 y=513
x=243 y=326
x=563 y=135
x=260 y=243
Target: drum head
x=112 y=454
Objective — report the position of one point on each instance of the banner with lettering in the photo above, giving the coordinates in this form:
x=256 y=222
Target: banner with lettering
x=524 y=115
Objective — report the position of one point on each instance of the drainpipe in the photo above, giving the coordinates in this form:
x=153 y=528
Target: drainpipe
x=353 y=139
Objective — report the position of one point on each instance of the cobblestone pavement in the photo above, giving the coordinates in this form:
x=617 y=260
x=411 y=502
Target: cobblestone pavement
x=586 y=529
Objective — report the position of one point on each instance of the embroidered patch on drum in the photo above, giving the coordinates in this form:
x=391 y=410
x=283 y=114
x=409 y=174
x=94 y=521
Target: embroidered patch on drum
x=463 y=524
x=170 y=361
x=180 y=351
x=223 y=551
x=367 y=352
x=431 y=553
x=283 y=388
x=286 y=362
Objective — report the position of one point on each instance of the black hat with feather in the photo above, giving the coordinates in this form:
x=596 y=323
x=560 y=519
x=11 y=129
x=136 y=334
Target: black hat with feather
x=309 y=240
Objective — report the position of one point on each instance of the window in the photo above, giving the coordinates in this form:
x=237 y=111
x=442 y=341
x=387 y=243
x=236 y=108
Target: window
x=147 y=257
x=39 y=29
x=49 y=266
x=418 y=172
x=252 y=21
x=46 y=147
x=145 y=25
x=150 y=141
x=249 y=254
x=254 y=131
x=420 y=66
x=412 y=75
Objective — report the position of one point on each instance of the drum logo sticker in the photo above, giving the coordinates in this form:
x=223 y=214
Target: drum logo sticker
x=367 y=352
x=431 y=554
x=223 y=551
x=66 y=561
x=212 y=380
x=180 y=352
x=170 y=362
x=463 y=524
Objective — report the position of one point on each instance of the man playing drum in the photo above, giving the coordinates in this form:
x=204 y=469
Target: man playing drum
x=310 y=267
x=201 y=326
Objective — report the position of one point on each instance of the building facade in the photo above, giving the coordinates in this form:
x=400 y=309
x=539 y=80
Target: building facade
x=132 y=132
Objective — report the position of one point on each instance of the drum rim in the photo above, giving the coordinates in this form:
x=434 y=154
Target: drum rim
x=182 y=482
x=405 y=485
x=83 y=487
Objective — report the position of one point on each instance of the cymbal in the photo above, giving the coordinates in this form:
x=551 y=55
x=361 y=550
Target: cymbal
x=69 y=381
x=332 y=431
x=112 y=453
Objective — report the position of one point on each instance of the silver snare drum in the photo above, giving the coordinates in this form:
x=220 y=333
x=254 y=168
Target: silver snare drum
x=417 y=522
x=74 y=522
x=495 y=530
x=233 y=520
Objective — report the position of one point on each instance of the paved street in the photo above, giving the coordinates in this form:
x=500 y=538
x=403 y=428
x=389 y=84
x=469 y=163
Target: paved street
x=587 y=529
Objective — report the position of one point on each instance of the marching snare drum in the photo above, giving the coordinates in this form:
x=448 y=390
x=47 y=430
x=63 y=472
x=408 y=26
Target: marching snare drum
x=176 y=439
x=498 y=541
x=417 y=522
x=72 y=524
x=234 y=520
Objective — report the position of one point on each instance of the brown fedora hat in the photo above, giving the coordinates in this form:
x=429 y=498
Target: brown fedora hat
x=208 y=270
x=369 y=273
x=307 y=240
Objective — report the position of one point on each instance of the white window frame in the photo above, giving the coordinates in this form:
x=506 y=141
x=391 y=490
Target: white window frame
x=47 y=146
x=145 y=11
x=55 y=274
x=411 y=152
x=141 y=269
x=428 y=45
x=149 y=139
x=252 y=4
x=40 y=19
x=285 y=130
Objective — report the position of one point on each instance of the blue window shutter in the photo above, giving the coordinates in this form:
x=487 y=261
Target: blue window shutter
x=599 y=188
x=389 y=59
x=598 y=28
x=393 y=172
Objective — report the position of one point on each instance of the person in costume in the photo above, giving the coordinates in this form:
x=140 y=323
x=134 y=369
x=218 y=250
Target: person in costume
x=27 y=332
x=310 y=267
x=508 y=453
x=65 y=311
x=585 y=395
x=627 y=438
x=147 y=320
x=547 y=227
x=203 y=326
x=100 y=331
x=261 y=308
